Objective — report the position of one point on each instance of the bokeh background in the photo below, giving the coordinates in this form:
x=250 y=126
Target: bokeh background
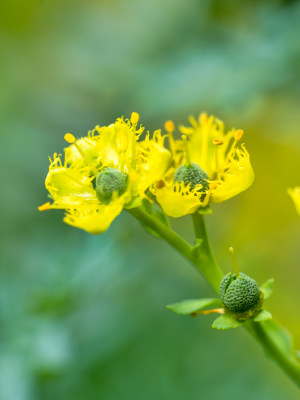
x=83 y=317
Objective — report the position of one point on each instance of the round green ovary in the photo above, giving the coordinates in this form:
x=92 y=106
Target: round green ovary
x=191 y=174
x=108 y=181
x=239 y=294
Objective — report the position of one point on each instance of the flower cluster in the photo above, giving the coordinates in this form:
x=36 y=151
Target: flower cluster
x=208 y=165
x=115 y=167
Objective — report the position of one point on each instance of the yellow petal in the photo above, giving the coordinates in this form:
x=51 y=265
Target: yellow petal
x=87 y=144
x=114 y=140
x=115 y=144
x=70 y=187
x=153 y=162
x=238 y=176
x=295 y=195
x=200 y=144
x=97 y=219
x=177 y=200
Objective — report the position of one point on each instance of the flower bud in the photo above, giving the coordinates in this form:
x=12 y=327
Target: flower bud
x=108 y=181
x=192 y=175
x=239 y=293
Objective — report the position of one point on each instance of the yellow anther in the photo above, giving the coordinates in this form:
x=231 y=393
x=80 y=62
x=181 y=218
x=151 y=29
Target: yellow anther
x=218 y=141
x=70 y=138
x=134 y=119
x=203 y=118
x=239 y=134
x=45 y=207
x=169 y=126
x=160 y=184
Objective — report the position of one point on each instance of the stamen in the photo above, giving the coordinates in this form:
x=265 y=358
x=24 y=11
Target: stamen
x=134 y=120
x=170 y=127
x=235 y=266
x=187 y=153
x=206 y=312
x=239 y=134
x=217 y=142
x=204 y=144
x=122 y=144
x=203 y=118
x=160 y=184
x=45 y=207
x=71 y=139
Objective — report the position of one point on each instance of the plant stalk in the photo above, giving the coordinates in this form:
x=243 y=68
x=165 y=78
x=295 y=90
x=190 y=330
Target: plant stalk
x=201 y=257
x=287 y=362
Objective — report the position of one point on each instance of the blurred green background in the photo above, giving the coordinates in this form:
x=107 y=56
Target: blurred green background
x=84 y=317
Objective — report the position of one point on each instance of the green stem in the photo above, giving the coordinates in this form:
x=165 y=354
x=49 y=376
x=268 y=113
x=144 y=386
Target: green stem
x=288 y=363
x=202 y=258
x=201 y=234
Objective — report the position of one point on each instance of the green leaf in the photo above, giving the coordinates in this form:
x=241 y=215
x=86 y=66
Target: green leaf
x=191 y=306
x=263 y=315
x=225 y=322
x=205 y=210
x=280 y=336
x=267 y=288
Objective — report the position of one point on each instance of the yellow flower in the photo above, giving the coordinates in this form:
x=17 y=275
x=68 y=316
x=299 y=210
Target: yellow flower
x=295 y=195
x=208 y=165
x=104 y=172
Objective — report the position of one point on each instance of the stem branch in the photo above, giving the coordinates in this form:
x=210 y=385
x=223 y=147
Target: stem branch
x=288 y=363
x=202 y=258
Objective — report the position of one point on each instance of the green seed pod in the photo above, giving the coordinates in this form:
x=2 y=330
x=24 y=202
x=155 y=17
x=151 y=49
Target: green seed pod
x=191 y=174
x=108 y=181
x=239 y=293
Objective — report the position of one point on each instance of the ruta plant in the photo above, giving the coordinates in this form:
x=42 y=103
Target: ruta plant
x=160 y=176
